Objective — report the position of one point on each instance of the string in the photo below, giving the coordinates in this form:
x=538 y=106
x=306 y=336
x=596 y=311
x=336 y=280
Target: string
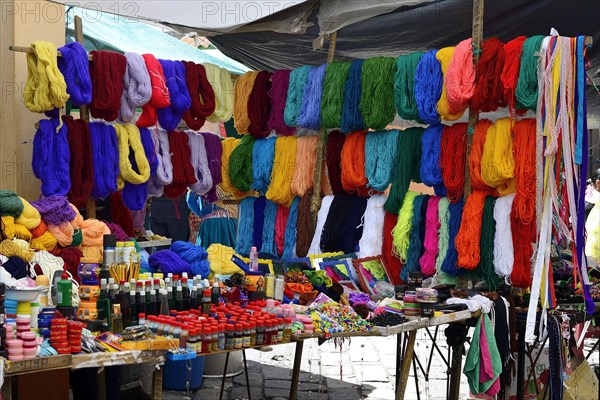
x=74 y=66
x=51 y=157
x=183 y=171
x=415 y=243
x=430 y=171
x=401 y=231
x=310 y=111
x=242 y=89
x=489 y=91
x=259 y=105
x=280 y=82
x=137 y=88
x=289 y=246
x=263 y=154
x=293 y=102
x=335 y=144
x=222 y=85
x=106 y=159
x=353 y=162
x=449 y=265
x=460 y=77
x=280 y=189
x=306 y=160
x=497 y=160
x=175 y=76
x=107 y=73
x=240 y=164
x=430 y=244
x=527 y=85
x=45 y=88
x=160 y=93
x=202 y=96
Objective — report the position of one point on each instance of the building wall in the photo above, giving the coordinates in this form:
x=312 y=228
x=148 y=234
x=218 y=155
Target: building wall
x=21 y=23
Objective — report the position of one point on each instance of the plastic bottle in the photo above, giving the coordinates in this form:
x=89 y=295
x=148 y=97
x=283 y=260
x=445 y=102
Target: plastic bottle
x=206 y=340
x=229 y=336
x=279 y=284
x=142 y=318
x=184 y=336
x=65 y=291
x=252 y=334
x=134 y=308
x=260 y=332
x=222 y=339
x=170 y=297
x=117 y=319
x=280 y=328
x=215 y=294
x=253 y=259
x=287 y=331
x=215 y=338
x=154 y=304
x=164 y=303
x=238 y=338
x=191 y=341
x=142 y=304
x=179 y=299
x=194 y=298
x=269 y=286
x=206 y=301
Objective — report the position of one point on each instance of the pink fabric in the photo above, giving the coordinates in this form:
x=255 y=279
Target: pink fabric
x=486 y=372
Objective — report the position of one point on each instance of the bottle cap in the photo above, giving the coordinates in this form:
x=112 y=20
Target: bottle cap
x=179 y=289
x=109 y=241
x=64 y=275
x=253 y=248
x=141 y=315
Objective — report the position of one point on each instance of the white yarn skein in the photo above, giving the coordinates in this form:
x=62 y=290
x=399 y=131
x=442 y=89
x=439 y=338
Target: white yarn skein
x=199 y=162
x=371 y=241
x=164 y=170
x=315 y=247
x=504 y=255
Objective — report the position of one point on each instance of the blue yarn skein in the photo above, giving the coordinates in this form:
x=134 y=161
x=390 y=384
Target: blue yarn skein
x=293 y=102
x=415 y=246
x=196 y=256
x=310 y=113
x=263 y=154
x=289 y=238
x=450 y=264
x=74 y=65
x=431 y=172
x=428 y=87
x=105 y=155
x=245 y=226
x=168 y=261
x=268 y=234
x=380 y=157
x=352 y=119
x=181 y=101
x=51 y=157
x=259 y=211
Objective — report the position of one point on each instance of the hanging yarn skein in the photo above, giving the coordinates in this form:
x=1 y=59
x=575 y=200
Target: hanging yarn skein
x=416 y=236
x=242 y=88
x=489 y=91
x=469 y=235
x=245 y=226
x=164 y=169
x=160 y=93
x=183 y=171
x=107 y=72
x=202 y=96
x=259 y=106
x=353 y=162
x=430 y=171
x=240 y=164
x=280 y=224
x=310 y=111
x=305 y=227
x=284 y=164
x=404 y=85
x=74 y=66
x=335 y=144
x=268 y=234
x=222 y=85
x=306 y=160
x=527 y=85
x=51 y=159
x=175 y=75
x=293 y=102
x=226 y=186
x=343 y=229
x=263 y=154
x=522 y=215
x=430 y=244
x=332 y=102
x=377 y=100
x=128 y=138
x=321 y=219
x=106 y=159
x=510 y=72
x=479 y=137
x=452 y=160
x=504 y=255
x=352 y=119
x=137 y=88
x=444 y=56
x=392 y=262
x=81 y=163
x=199 y=163
x=443 y=233
x=460 y=77
x=371 y=241
x=497 y=160
x=449 y=265
x=488 y=232
x=214 y=153
x=380 y=158
x=428 y=84
x=401 y=231
x=280 y=82
x=289 y=247
x=45 y=88
x=407 y=167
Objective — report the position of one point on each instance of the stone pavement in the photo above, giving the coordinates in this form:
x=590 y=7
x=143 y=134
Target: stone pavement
x=360 y=368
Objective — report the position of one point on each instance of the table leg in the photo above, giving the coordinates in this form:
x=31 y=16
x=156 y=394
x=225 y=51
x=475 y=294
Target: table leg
x=157 y=383
x=417 y=377
x=224 y=375
x=521 y=362
x=7 y=388
x=246 y=372
x=406 y=363
x=296 y=370
x=398 y=357
x=455 y=372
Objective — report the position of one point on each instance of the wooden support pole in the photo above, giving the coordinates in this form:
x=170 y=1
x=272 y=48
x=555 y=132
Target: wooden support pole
x=296 y=370
x=315 y=203
x=477 y=38
x=406 y=363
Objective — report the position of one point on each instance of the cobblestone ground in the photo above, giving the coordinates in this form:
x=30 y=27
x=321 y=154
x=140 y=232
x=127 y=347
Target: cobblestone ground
x=364 y=368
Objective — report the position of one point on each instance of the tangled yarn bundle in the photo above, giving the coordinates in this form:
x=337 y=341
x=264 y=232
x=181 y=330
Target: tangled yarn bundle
x=52 y=157
x=105 y=155
x=404 y=85
x=107 y=72
x=280 y=82
x=310 y=111
x=195 y=256
x=407 y=167
x=352 y=119
x=380 y=158
x=460 y=77
x=444 y=56
x=430 y=171
x=353 y=162
x=332 y=102
x=259 y=106
x=239 y=163
x=306 y=160
x=160 y=93
x=377 y=99
x=45 y=88
x=428 y=87
x=222 y=85
x=202 y=95
x=175 y=75
x=284 y=164
x=74 y=66
x=243 y=87
x=489 y=90
x=293 y=102
x=81 y=162
x=452 y=160
x=137 y=88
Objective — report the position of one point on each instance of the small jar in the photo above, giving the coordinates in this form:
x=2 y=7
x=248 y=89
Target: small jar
x=287 y=331
x=221 y=345
x=246 y=336
x=229 y=337
x=280 y=327
x=260 y=332
x=252 y=334
x=238 y=338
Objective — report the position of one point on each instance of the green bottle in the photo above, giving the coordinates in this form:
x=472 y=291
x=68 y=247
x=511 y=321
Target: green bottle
x=64 y=291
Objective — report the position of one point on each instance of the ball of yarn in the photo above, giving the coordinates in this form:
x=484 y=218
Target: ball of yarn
x=16 y=267
x=63 y=233
x=16 y=247
x=93 y=232
x=55 y=209
x=13 y=230
x=44 y=242
x=196 y=256
x=10 y=204
x=39 y=230
x=92 y=254
x=168 y=261
x=30 y=218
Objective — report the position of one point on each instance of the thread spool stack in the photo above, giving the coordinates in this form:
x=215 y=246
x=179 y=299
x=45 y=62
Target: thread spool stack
x=58 y=335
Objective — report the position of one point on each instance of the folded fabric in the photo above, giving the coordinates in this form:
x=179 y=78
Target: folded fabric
x=299 y=287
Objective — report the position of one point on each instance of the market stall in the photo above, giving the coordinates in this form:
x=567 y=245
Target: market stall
x=333 y=238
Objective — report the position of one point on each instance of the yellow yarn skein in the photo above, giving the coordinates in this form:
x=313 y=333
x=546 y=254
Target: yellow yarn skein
x=222 y=84
x=128 y=135
x=45 y=88
x=444 y=56
x=14 y=230
x=227 y=189
x=16 y=247
x=284 y=164
x=44 y=242
x=30 y=218
x=91 y=254
x=242 y=88
x=401 y=232
x=497 y=160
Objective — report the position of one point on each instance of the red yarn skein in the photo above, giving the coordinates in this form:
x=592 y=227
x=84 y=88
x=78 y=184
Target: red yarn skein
x=259 y=105
x=510 y=73
x=106 y=72
x=489 y=92
x=160 y=93
x=82 y=165
x=201 y=93
x=452 y=160
x=183 y=172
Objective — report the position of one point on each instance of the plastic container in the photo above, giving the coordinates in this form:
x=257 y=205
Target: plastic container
x=175 y=372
